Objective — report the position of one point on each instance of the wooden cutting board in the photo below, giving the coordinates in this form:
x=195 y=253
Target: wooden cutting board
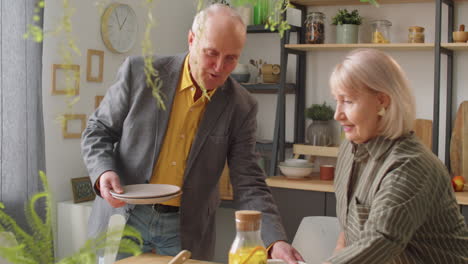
x=459 y=142
x=149 y=258
x=423 y=130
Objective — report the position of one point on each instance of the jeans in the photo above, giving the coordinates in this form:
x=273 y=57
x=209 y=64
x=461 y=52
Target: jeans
x=159 y=231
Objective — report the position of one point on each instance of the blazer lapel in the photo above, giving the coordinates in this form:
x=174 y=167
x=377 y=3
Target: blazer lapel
x=214 y=110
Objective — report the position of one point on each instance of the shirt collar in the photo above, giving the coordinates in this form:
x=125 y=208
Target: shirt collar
x=186 y=80
x=375 y=148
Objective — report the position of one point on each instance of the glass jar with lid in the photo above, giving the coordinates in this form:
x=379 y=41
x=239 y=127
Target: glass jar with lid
x=416 y=34
x=315 y=28
x=381 y=31
x=248 y=246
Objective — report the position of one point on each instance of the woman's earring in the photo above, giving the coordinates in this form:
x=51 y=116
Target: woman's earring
x=382 y=111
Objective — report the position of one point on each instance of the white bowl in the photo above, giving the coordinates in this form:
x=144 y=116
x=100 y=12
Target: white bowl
x=297 y=163
x=295 y=172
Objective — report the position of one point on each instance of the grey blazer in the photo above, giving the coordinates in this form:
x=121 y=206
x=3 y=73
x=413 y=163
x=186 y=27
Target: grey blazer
x=126 y=132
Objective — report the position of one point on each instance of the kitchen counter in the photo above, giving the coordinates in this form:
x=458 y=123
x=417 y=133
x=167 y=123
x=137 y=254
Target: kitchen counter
x=315 y=184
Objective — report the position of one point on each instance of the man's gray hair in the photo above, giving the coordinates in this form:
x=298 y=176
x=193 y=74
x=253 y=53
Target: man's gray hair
x=210 y=10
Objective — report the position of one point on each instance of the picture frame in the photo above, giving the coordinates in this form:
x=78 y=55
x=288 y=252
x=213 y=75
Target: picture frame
x=57 y=69
x=65 y=127
x=97 y=100
x=82 y=189
x=90 y=66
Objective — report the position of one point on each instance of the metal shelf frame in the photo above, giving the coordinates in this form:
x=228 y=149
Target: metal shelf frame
x=278 y=150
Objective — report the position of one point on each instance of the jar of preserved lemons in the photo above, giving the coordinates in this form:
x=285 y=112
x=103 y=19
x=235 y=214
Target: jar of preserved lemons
x=381 y=31
x=248 y=247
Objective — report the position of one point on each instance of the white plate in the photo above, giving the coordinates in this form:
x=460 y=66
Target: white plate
x=146 y=191
x=148 y=200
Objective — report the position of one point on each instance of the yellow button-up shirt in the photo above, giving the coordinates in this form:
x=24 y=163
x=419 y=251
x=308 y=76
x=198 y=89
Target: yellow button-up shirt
x=182 y=128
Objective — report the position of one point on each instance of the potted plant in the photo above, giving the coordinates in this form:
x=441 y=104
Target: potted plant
x=347 y=26
x=320 y=131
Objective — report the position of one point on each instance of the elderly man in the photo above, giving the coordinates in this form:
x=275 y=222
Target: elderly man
x=129 y=140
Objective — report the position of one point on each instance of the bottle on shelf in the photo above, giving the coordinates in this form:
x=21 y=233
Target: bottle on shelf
x=248 y=247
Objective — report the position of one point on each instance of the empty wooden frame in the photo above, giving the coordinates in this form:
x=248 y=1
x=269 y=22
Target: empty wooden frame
x=62 y=74
x=97 y=100
x=95 y=68
x=65 y=127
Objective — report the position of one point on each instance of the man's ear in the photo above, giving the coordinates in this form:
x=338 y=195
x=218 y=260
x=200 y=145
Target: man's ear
x=191 y=38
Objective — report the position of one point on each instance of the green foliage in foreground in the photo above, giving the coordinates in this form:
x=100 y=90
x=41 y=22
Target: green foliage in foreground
x=19 y=247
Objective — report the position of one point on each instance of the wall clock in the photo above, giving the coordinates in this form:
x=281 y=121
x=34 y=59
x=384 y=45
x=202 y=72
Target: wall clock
x=119 y=28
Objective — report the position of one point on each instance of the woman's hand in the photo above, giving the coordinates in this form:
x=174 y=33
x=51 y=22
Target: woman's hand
x=284 y=251
x=340 y=243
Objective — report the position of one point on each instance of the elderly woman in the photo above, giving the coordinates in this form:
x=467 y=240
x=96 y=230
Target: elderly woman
x=395 y=202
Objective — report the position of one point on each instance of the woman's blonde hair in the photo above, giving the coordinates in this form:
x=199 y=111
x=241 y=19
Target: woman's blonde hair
x=372 y=70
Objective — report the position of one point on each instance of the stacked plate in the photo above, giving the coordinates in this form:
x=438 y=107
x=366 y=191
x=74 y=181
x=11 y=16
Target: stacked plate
x=147 y=193
x=296 y=168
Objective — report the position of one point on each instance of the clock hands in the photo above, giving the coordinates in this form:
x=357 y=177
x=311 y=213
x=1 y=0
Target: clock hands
x=118 y=21
x=123 y=23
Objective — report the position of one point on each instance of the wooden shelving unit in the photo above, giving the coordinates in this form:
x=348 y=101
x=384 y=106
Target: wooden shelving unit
x=455 y=46
x=314 y=183
x=308 y=184
x=390 y=46
x=315 y=150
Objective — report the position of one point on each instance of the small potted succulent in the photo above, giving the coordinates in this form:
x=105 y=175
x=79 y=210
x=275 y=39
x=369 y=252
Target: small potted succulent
x=320 y=131
x=347 y=26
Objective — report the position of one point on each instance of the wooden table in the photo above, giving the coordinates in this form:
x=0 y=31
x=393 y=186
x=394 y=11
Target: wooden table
x=150 y=258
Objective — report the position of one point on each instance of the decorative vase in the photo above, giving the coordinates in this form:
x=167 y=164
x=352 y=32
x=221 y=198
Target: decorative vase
x=320 y=133
x=347 y=33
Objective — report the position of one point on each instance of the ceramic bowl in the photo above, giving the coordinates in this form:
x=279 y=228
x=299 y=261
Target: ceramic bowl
x=297 y=163
x=460 y=36
x=295 y=172
x=242 y=77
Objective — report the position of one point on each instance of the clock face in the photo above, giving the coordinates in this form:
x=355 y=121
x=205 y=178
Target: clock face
x=119 y=28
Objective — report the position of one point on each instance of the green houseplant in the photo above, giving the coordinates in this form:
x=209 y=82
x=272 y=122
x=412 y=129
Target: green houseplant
x=36 y=247
x=319 y=132
x=347 y=26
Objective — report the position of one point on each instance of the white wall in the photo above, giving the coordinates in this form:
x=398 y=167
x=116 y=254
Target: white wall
x=419 y=65
x=63 y=158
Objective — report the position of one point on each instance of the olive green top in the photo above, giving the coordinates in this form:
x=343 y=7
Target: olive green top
x=395 y=204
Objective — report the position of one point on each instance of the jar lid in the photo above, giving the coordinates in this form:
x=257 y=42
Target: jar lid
x=382 y=22
x=416 y=29
x=316 y=14
x=248 y=215
x=248 y=220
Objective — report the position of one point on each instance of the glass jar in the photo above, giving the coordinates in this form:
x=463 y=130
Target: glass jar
x=416 y=34
x=315 y=28
x=248 y=246
x=319 y=133
x=381 y=31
